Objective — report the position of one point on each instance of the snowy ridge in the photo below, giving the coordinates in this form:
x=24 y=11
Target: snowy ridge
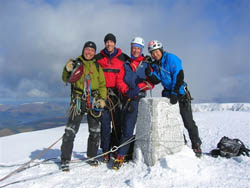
x=206 y=107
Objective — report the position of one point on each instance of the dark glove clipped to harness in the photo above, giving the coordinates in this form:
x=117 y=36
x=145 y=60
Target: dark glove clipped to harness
x=173 y=99
x=165 y=93
x=148 y=59
x=149 y=73
x=132 y=93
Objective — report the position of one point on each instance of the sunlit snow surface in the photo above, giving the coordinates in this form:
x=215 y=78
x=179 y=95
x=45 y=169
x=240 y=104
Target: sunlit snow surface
x=182 y=169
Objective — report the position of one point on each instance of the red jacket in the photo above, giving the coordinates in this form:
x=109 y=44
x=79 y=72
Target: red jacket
x=113 y=69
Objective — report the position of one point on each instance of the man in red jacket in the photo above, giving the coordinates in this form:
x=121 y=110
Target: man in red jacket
x=111 y=60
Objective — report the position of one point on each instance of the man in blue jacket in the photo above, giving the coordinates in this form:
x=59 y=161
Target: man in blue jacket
x=137 y=83
x=167 y=69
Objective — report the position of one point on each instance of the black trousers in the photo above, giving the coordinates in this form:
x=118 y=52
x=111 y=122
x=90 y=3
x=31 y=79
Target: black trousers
x=189 y=123
x=71 y=130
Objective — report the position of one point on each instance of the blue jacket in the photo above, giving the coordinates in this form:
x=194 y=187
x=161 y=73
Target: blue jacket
x=135 y=73
x=169 y=71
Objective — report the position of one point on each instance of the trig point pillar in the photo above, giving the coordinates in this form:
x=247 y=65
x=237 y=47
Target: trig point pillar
x=159 y=129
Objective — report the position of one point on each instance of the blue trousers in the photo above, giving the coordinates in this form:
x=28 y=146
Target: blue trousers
x=110 y=136
x=128 y=118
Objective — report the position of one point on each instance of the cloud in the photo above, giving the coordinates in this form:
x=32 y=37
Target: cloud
x=211 y=38
x=37 y=93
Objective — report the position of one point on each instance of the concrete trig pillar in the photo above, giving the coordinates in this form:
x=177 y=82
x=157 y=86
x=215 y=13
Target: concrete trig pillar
x=159 y=129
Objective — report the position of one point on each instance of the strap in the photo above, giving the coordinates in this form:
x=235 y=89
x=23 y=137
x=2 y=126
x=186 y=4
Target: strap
x=134 y=66
x=188 y=94
x=88 y=91
x=243 y=149
x=111 y=70
x=97 y=66
x=113 y=98
x=74 y=88
x=98 y=56
x=215 y=153
x=140 y=65
x=91 y=65
x=123 y=57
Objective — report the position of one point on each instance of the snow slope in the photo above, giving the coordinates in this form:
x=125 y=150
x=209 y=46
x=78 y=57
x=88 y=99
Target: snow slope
x=179 y=170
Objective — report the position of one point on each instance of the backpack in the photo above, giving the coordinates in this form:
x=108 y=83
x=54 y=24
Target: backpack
x=228 y=148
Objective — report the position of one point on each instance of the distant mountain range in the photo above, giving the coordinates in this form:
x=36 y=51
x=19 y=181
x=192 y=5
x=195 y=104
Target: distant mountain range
x=31 y=116
x=204 y=107
x=24 y=117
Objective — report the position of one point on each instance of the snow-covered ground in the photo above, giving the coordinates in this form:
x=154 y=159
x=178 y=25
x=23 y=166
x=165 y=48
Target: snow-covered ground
x=182 y=169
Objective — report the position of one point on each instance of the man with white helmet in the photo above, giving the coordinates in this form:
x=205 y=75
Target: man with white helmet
x=167 y=69
x=138 y=83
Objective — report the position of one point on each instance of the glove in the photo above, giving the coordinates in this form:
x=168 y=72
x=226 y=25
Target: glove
x=100 y=103
x=148 y=59
x=132 y=93
x=139 y=80
x=173 y=99
x=165 y=93
x=69 y=65
x=152 y=78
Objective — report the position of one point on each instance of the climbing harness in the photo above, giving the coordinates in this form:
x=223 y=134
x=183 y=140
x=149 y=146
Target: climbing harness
x=188 y=94
x=112 y=107
x=84 y=101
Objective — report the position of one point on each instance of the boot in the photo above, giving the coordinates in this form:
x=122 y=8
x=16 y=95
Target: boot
x=65 y=166
x=197 y=150
x=128 y=158
x=114 y=155
x=93 y=162
x=106 y=158
x=118 y=162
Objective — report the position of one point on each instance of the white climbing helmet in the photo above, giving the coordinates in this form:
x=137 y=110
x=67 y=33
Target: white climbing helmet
x=138 y=40
x=153 y=45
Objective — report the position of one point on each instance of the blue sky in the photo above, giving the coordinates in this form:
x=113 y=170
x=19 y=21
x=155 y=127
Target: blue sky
x=211 y=37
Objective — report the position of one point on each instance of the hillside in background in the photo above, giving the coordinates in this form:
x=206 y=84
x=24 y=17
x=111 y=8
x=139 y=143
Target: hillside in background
x=32 y=116
x=205 y=107
x=24 y=117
